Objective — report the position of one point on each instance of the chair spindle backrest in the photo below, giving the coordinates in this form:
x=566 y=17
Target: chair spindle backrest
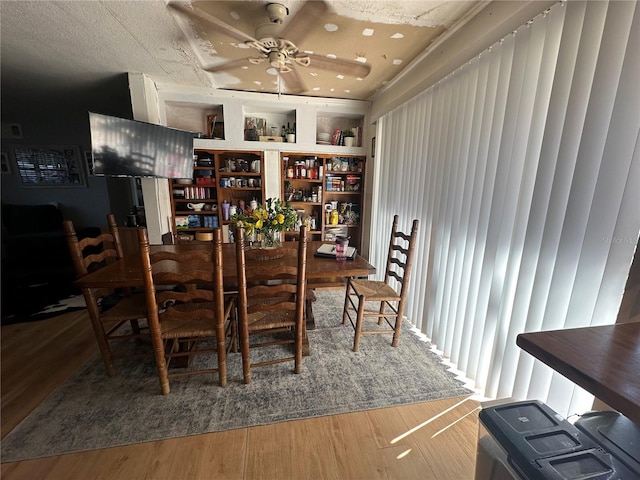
x=400 y=256
x=272 y=285
x=191 y=310
x=198 y=272
x=92 y=252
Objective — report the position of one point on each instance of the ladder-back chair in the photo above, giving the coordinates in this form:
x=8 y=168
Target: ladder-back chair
x=109 y=310
x=384 y=299
x=193 y=317
x=271 y=301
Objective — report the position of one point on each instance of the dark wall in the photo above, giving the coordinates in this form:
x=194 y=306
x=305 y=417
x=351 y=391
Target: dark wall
x=60 y=117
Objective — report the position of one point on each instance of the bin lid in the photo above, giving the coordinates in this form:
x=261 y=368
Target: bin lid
x=616 y=434
x=530 y=431
x=592 y=464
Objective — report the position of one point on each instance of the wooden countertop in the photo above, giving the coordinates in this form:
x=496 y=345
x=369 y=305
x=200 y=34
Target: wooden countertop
x=604 y=360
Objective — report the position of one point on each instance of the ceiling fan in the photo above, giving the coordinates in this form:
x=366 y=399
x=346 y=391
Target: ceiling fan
x=275 y=43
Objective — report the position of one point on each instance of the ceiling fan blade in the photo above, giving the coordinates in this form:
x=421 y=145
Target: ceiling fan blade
x=339 y=65
x=222 y=26
x=228 y=65
x=304 y=20
x=293 y=82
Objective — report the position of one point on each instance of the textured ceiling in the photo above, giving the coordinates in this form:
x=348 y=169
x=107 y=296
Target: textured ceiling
x=65 y=48
x=384 y=35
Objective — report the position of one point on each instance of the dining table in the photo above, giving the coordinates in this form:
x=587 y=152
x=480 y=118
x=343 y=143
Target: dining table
x=321 y=271
x=126 y=272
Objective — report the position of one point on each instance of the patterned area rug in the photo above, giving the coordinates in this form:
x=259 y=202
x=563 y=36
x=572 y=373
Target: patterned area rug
x=91 y=411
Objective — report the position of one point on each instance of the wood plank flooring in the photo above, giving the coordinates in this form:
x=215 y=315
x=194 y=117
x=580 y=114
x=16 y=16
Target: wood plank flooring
x=431 y=440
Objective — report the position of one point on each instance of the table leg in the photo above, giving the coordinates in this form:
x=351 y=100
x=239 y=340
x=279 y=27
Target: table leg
x=308 y=314
x=309 y=324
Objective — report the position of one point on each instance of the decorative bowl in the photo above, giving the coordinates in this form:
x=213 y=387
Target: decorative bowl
x=204 y=236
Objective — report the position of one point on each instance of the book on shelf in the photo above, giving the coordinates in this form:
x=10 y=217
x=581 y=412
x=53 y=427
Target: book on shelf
x=334 y=183
x=338 y=136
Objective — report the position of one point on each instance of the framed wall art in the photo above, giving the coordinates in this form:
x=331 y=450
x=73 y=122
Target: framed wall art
x=50 y=165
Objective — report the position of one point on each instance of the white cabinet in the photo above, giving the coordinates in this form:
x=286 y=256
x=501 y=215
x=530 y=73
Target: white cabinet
x=237 y=111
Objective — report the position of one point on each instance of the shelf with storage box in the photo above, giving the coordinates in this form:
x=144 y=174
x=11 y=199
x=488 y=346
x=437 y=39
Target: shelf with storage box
x=302 y=188
x=222 y=180
x=240 y=180
x=343 y=198
x=194 y=200
x=327 y=193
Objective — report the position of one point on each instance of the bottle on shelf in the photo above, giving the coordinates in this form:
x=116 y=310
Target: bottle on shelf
x=132 y=218
x=225 y=210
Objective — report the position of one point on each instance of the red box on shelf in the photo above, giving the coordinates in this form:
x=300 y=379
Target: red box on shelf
x=205 y=181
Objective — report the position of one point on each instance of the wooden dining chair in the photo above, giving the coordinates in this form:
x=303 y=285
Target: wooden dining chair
x=310 y=294
x=271 y=301
x=109 y=310
x=384 y=299
x=192 y=318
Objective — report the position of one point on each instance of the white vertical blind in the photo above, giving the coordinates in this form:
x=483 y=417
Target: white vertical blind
x=523 y=169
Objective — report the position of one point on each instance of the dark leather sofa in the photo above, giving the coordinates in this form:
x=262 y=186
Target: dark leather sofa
x=33 y=243
x=37 y=270
x=34 y=247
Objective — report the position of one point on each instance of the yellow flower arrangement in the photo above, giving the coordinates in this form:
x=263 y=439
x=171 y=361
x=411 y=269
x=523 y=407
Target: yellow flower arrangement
x=267 y=221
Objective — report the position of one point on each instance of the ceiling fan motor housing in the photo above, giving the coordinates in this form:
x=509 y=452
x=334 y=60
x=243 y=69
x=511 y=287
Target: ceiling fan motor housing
x=277 y=12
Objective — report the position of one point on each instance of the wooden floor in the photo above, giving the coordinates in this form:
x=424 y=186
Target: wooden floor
x=424 y=441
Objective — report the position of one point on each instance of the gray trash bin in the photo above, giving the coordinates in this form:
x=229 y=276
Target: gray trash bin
x=540 y=444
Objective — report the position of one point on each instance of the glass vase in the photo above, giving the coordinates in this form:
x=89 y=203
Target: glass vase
x=271 y=239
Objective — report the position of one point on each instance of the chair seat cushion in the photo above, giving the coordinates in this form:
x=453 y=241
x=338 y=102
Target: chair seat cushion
x=374 y=290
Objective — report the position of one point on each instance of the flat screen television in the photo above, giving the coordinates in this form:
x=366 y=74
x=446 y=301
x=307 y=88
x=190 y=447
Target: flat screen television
x=130 y=148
